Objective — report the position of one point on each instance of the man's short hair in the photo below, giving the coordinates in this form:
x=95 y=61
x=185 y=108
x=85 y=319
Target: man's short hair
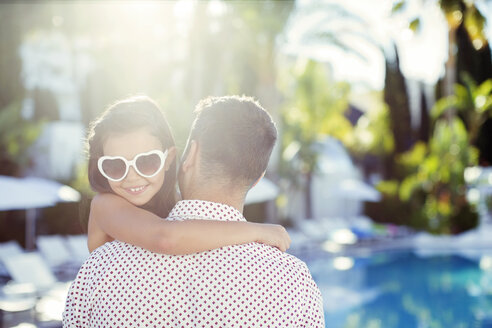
x=236 y=137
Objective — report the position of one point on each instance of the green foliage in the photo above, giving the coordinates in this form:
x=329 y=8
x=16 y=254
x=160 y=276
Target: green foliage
x=415 y=25
x=81 y=180
x=433 y=187
x=431 y=191
x=398 y=6
x=473 y=102
x=456 y=13
x=430 y=194
x=372 y=134
x=315 y=109
x=16 y=135
x=475 y=25
x=388 y=187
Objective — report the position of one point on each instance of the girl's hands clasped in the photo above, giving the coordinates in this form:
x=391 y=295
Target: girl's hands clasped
x=274 y=235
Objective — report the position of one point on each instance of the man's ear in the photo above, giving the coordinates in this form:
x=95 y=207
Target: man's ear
x=191 y=156
x=171 y=155
x=261 y=177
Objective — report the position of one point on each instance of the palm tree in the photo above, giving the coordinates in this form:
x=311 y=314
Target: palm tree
x=315 y=105
x=315 y=109
x=457 y=13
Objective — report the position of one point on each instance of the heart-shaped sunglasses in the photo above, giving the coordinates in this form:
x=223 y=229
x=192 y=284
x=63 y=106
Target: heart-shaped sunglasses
x=115 y=168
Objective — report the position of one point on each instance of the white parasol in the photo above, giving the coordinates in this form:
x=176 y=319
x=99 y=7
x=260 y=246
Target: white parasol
x=30 y=193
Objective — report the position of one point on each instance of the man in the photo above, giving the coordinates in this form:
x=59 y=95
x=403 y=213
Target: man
x=251 y=285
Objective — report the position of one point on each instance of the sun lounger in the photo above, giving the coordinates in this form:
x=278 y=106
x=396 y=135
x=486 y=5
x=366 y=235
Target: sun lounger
x=30 y=268
x=8 y=249
x=30 y=272
x=54 y=250
x=77 y=245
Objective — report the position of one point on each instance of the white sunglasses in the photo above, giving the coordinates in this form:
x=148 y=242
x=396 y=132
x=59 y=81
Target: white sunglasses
x=115 y=168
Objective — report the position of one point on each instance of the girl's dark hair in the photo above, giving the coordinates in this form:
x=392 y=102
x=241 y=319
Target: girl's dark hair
x=126 y=116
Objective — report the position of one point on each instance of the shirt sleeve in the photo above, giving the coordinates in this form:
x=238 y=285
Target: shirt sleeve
x=313 y=314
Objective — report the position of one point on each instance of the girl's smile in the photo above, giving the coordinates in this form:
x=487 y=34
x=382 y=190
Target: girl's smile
x=136 y=190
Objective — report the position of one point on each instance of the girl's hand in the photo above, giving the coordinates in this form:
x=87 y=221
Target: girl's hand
x=274 y=235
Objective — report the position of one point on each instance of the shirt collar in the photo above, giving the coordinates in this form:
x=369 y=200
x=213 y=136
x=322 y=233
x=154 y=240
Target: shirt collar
x=204 y=210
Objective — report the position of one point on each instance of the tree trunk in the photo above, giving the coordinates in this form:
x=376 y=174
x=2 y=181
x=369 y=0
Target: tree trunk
x=308 y=195
x=450 y=73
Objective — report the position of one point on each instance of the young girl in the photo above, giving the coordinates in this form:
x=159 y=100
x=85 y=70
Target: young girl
x=132 y=166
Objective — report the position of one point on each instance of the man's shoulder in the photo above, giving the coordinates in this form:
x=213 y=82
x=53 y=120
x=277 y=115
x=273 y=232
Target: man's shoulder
x=111 y=257
x=260 y=254
x=255 y=254
x=113 y=249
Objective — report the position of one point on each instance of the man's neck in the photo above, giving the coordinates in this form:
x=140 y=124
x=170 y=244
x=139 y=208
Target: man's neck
x=218 y=195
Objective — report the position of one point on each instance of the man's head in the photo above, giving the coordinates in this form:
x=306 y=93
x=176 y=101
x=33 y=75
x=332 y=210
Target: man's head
x=230 y=144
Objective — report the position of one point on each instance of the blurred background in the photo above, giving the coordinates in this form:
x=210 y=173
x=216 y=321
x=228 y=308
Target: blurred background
x=384 y=110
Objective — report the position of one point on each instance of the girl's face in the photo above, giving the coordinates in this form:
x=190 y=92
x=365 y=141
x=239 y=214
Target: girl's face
x=135 y=188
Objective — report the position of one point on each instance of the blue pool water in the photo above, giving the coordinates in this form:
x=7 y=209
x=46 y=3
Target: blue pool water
x=401 y=289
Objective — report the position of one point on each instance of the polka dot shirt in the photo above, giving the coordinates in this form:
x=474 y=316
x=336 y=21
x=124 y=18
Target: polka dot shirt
x=250 y=285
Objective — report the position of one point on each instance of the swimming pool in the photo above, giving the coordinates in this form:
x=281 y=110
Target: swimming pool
x=402 y=289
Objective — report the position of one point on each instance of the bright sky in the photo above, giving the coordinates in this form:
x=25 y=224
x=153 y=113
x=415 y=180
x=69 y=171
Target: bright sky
x=422 y=54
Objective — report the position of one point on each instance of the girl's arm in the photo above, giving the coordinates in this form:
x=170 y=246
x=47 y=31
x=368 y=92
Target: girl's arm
x=121 y=220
